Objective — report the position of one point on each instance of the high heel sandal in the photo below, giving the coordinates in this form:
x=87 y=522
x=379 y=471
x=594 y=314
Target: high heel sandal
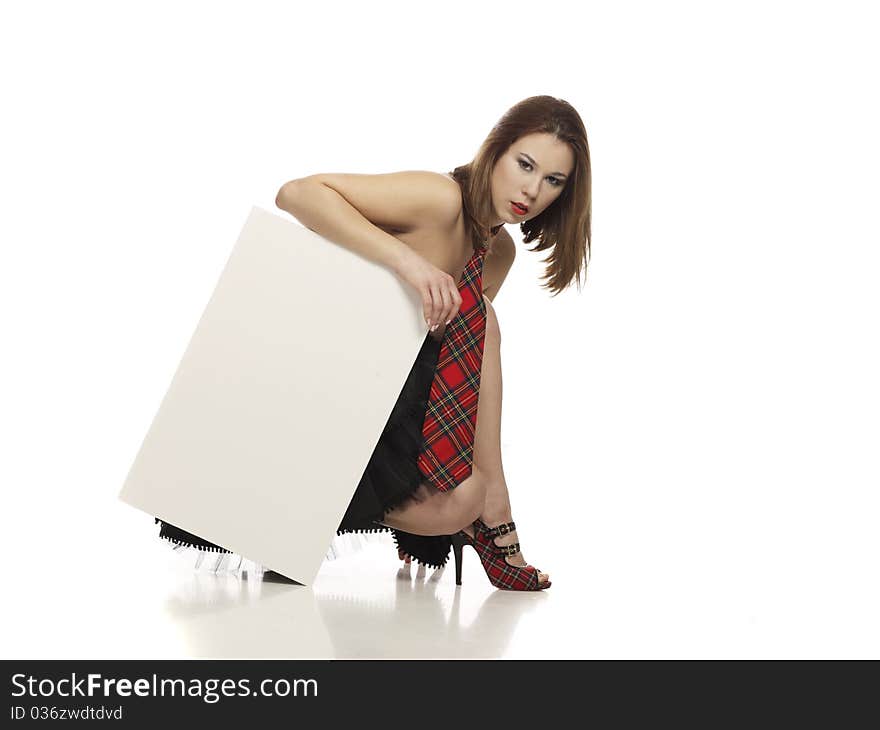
x=493 y=557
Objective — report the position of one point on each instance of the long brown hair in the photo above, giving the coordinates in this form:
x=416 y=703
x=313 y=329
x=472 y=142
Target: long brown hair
x=565 y=225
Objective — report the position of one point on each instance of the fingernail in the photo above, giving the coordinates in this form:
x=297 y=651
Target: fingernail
x=434 y=327
x=448 y=321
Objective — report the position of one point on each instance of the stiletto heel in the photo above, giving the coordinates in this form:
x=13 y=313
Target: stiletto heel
x=458 y=540
x=493 y=556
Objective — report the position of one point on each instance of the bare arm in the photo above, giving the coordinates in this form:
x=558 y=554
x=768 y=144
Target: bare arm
x=349 y=208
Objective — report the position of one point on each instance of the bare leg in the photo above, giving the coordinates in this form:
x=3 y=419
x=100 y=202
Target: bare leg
x=441 y=513
x=487 y=444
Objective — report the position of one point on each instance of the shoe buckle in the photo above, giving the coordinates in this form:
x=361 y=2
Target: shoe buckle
x=508 y=550
x=503 y=529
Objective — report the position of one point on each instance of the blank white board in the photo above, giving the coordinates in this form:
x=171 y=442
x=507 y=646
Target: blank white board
x=280 y=397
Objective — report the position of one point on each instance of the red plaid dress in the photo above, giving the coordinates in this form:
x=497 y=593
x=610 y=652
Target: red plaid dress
x=446 y=458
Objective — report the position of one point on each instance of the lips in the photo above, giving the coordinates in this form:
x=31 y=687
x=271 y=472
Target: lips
x=519 y=208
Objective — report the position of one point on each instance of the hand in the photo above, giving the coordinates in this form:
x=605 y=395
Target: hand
x=438 y=290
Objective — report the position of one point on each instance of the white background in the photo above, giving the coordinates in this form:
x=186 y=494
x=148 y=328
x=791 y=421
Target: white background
x=690 y=441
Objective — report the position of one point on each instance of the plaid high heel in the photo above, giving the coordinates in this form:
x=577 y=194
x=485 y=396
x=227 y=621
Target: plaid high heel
x=494 y=558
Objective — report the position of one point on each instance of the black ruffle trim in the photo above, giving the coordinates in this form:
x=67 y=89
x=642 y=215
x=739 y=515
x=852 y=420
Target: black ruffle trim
x=181 y=537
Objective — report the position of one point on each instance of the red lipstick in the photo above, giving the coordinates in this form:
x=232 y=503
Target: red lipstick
x=518 y=209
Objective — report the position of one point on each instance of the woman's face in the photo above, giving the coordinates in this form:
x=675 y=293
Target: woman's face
x=532 y=172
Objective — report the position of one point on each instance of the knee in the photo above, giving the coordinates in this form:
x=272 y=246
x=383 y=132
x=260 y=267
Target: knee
x=493 y=331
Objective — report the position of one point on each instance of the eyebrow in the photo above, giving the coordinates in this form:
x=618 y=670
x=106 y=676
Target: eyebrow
x=561 y=174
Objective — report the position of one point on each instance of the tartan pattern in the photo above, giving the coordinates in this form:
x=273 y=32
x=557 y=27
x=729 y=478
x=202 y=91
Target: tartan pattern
x=501 y=573
x=446 y=456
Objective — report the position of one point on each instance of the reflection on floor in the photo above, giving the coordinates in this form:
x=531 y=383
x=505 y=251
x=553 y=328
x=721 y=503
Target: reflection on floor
x=366 y=604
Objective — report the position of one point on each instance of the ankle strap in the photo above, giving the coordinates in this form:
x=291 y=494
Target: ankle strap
x=509 y=550
x=501 y=529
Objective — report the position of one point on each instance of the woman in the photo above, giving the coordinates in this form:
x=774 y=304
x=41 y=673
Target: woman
x=435 y=479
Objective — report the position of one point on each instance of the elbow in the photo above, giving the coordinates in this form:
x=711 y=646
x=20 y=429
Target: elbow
x=285 y=194
x=290 y=191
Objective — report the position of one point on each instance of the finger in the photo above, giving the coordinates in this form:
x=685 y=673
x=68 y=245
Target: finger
x=455 y=306
x=427 y=306
x=446 y=299
x=436 y=306
x=446 y=293
x=441 y=303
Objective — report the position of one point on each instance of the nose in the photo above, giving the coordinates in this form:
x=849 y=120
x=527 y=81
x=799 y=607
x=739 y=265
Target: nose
x=530 y=191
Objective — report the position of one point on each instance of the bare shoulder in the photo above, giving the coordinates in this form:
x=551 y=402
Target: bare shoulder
x=404 y=201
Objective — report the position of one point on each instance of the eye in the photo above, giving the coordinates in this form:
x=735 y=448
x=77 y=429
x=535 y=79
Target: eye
x=556 y=181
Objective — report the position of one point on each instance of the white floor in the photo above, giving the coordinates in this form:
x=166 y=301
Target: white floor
x=367 y=604
x=103 y=585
